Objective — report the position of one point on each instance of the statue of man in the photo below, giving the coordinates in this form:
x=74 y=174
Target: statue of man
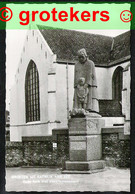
x=85 y=68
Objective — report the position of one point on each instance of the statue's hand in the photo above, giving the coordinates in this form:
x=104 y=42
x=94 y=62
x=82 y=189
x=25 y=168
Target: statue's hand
x=82 y=99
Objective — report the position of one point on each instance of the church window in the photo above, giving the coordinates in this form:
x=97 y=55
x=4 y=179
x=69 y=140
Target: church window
x=32 y=93
x=117 y=84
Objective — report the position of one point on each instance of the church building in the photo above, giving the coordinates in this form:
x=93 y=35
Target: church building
x=42 y=95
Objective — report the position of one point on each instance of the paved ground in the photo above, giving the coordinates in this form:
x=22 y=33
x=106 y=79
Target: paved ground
x=50 y=179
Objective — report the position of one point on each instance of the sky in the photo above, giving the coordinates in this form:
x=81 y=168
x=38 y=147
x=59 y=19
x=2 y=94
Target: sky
x=14 y=44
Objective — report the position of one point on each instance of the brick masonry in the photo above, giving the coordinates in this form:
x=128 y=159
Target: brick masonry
x=54 y=150
x=110 y=108
x=14 y=154
x=37 y=151
x=116 y=148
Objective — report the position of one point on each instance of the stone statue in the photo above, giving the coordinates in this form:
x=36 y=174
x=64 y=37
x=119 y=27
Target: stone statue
x=85 y=69
x=85 y=123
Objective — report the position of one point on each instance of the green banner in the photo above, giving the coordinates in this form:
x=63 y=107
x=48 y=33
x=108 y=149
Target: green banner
x=66 y=15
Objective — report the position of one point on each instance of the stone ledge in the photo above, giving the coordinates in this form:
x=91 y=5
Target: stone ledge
x=85 y=165
x=36 y=138
x=59 y=131
x=113 y=129
x=82 y=172
x=119 y=130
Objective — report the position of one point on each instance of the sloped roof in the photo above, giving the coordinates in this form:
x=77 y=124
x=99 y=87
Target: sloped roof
x=66 y=43
x=121 y=47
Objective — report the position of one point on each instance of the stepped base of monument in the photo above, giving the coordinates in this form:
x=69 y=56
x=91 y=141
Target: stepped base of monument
x=82 y=172
x=84 y=167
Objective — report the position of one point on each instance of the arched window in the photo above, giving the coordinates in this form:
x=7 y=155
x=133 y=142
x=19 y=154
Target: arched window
x=117 y=84
x=32 y=93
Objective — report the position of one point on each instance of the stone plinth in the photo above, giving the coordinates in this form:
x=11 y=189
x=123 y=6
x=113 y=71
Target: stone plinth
x=85 y=144
x=85 y=148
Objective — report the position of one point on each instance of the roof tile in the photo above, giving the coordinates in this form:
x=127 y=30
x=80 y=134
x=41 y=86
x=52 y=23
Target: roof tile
x=66 y=43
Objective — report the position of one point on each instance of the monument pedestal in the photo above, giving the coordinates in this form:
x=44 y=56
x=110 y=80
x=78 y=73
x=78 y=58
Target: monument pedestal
x=85 y=144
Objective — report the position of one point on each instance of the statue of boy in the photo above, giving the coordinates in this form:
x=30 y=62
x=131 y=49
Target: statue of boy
x=82 y=92
x=85 y=68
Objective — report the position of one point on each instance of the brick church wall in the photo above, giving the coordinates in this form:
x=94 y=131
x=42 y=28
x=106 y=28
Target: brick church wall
x=53 y=150
x=38 y=151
